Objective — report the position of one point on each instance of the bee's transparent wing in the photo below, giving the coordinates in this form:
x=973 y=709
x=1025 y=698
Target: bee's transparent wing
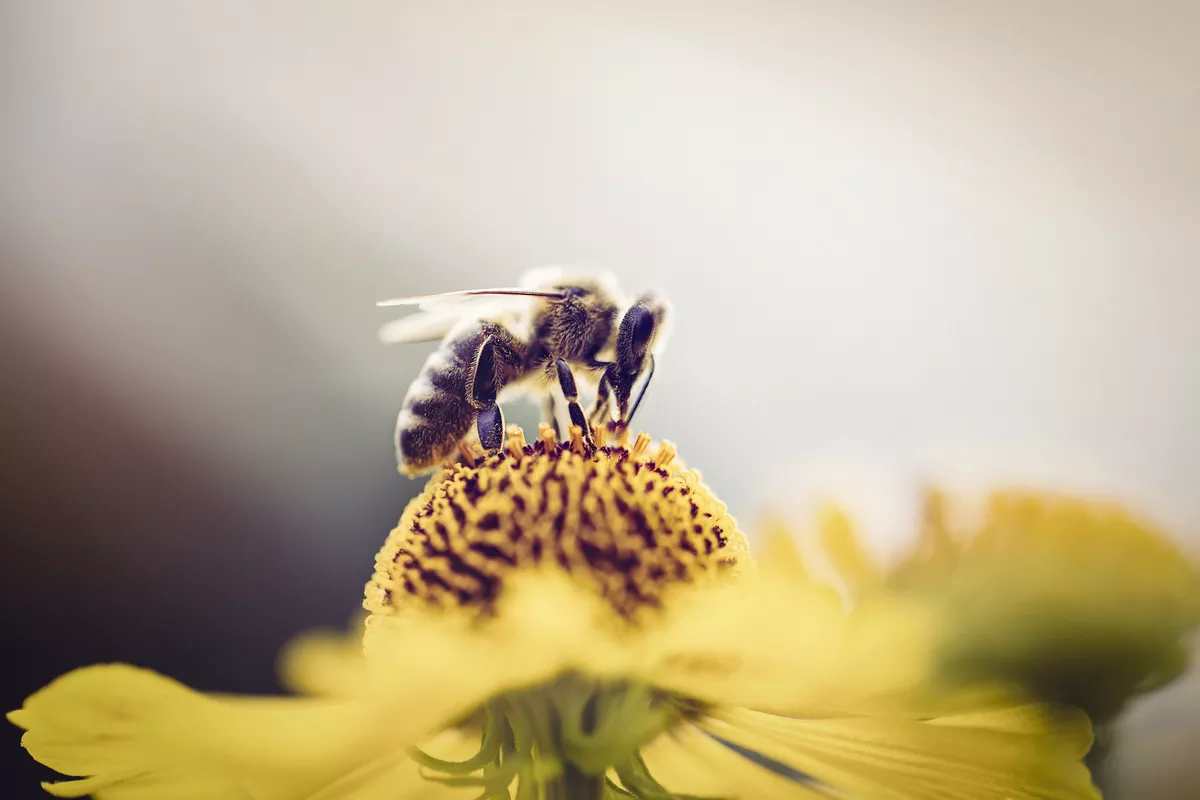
x=430 y=301
x=439 y=313
x=424 y=326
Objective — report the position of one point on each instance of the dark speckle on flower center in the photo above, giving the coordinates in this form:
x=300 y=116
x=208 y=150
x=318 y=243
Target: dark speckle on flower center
x=624 y=523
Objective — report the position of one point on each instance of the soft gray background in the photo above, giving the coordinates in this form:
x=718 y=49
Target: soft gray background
x=945 y=237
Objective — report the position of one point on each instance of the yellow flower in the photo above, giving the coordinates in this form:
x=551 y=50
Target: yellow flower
x=555 y=622
x=1075 y=600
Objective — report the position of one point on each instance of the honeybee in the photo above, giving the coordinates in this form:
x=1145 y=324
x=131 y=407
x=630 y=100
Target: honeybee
x=496 y=343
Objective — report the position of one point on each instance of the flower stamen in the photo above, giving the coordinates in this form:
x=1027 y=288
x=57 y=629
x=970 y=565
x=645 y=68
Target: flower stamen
x=666 y=454
x=600 y=435
x=576 y=434
x=516 y=442
x=547 y=435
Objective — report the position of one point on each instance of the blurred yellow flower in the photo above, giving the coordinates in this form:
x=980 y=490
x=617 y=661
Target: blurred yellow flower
x=1076 y=601
x=566 y=623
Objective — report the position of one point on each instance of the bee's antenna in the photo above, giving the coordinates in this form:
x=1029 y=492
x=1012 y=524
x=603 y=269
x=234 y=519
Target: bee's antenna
x=641 y=393
x=422 y=299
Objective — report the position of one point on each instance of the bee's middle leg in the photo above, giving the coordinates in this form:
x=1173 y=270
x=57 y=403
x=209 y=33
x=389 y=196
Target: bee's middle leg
x=483 y=390
x=566 y=380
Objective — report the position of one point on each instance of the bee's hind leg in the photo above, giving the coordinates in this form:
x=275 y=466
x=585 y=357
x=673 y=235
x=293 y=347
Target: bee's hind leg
x=490 y=425
x=566 y=380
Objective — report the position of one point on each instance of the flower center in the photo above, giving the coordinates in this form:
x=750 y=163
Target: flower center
x=622 y=520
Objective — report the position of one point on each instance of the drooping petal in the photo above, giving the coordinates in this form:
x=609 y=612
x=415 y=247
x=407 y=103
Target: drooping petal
x=396 y=776
x=150 y=786
x=766 y=641
x=545 y=624
x=130 y=730
x=1116 y=602
x=690 y=762
x=845 y=551
x=391 y=777
x=776 y=643
x=1019 y=753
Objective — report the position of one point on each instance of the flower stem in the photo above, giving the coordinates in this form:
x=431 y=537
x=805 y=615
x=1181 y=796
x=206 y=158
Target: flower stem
x=575 y=785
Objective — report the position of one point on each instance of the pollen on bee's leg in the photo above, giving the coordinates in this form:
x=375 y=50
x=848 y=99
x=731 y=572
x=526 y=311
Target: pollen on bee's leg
x=640 y=444
x=576 y=433
x=516 y=441
x=600 y=435
x=547 y=435
x=666 y=454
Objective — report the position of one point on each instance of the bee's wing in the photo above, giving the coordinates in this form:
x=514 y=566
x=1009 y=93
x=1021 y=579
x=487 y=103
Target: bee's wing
x=424 y=326
x=429 y=301
x=441 y=312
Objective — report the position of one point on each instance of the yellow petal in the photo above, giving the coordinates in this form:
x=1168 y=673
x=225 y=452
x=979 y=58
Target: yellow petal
x=690 y=762
x=397 y=777
x=765 y=641
x=787 y=646
x=545 y=624
x=129 y=728
x=325 y=662
x=1025 y=753
x=777 y=553
x=154 y=786
x=1116 y=602
x=846 y=552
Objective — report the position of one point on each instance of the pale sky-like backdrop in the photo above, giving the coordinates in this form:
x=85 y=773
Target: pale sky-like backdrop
x=933 y=239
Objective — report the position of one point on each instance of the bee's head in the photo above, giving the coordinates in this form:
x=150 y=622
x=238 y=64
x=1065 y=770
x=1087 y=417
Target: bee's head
x=642 y=333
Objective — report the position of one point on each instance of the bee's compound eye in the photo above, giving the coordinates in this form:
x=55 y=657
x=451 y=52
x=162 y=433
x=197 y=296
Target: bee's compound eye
x=643 y=327
x=637 y=328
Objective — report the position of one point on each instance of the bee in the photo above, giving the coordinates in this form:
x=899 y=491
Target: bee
x=496 y=343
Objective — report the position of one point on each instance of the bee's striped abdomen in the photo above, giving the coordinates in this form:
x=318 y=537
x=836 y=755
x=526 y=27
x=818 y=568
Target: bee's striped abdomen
x=436 y=415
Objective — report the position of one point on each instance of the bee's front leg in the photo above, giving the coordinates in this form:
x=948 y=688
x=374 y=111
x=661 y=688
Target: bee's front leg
x=566 y=380
x=601 y=410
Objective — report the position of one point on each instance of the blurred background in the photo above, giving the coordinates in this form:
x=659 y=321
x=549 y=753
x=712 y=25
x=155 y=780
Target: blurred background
x=904 y=235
